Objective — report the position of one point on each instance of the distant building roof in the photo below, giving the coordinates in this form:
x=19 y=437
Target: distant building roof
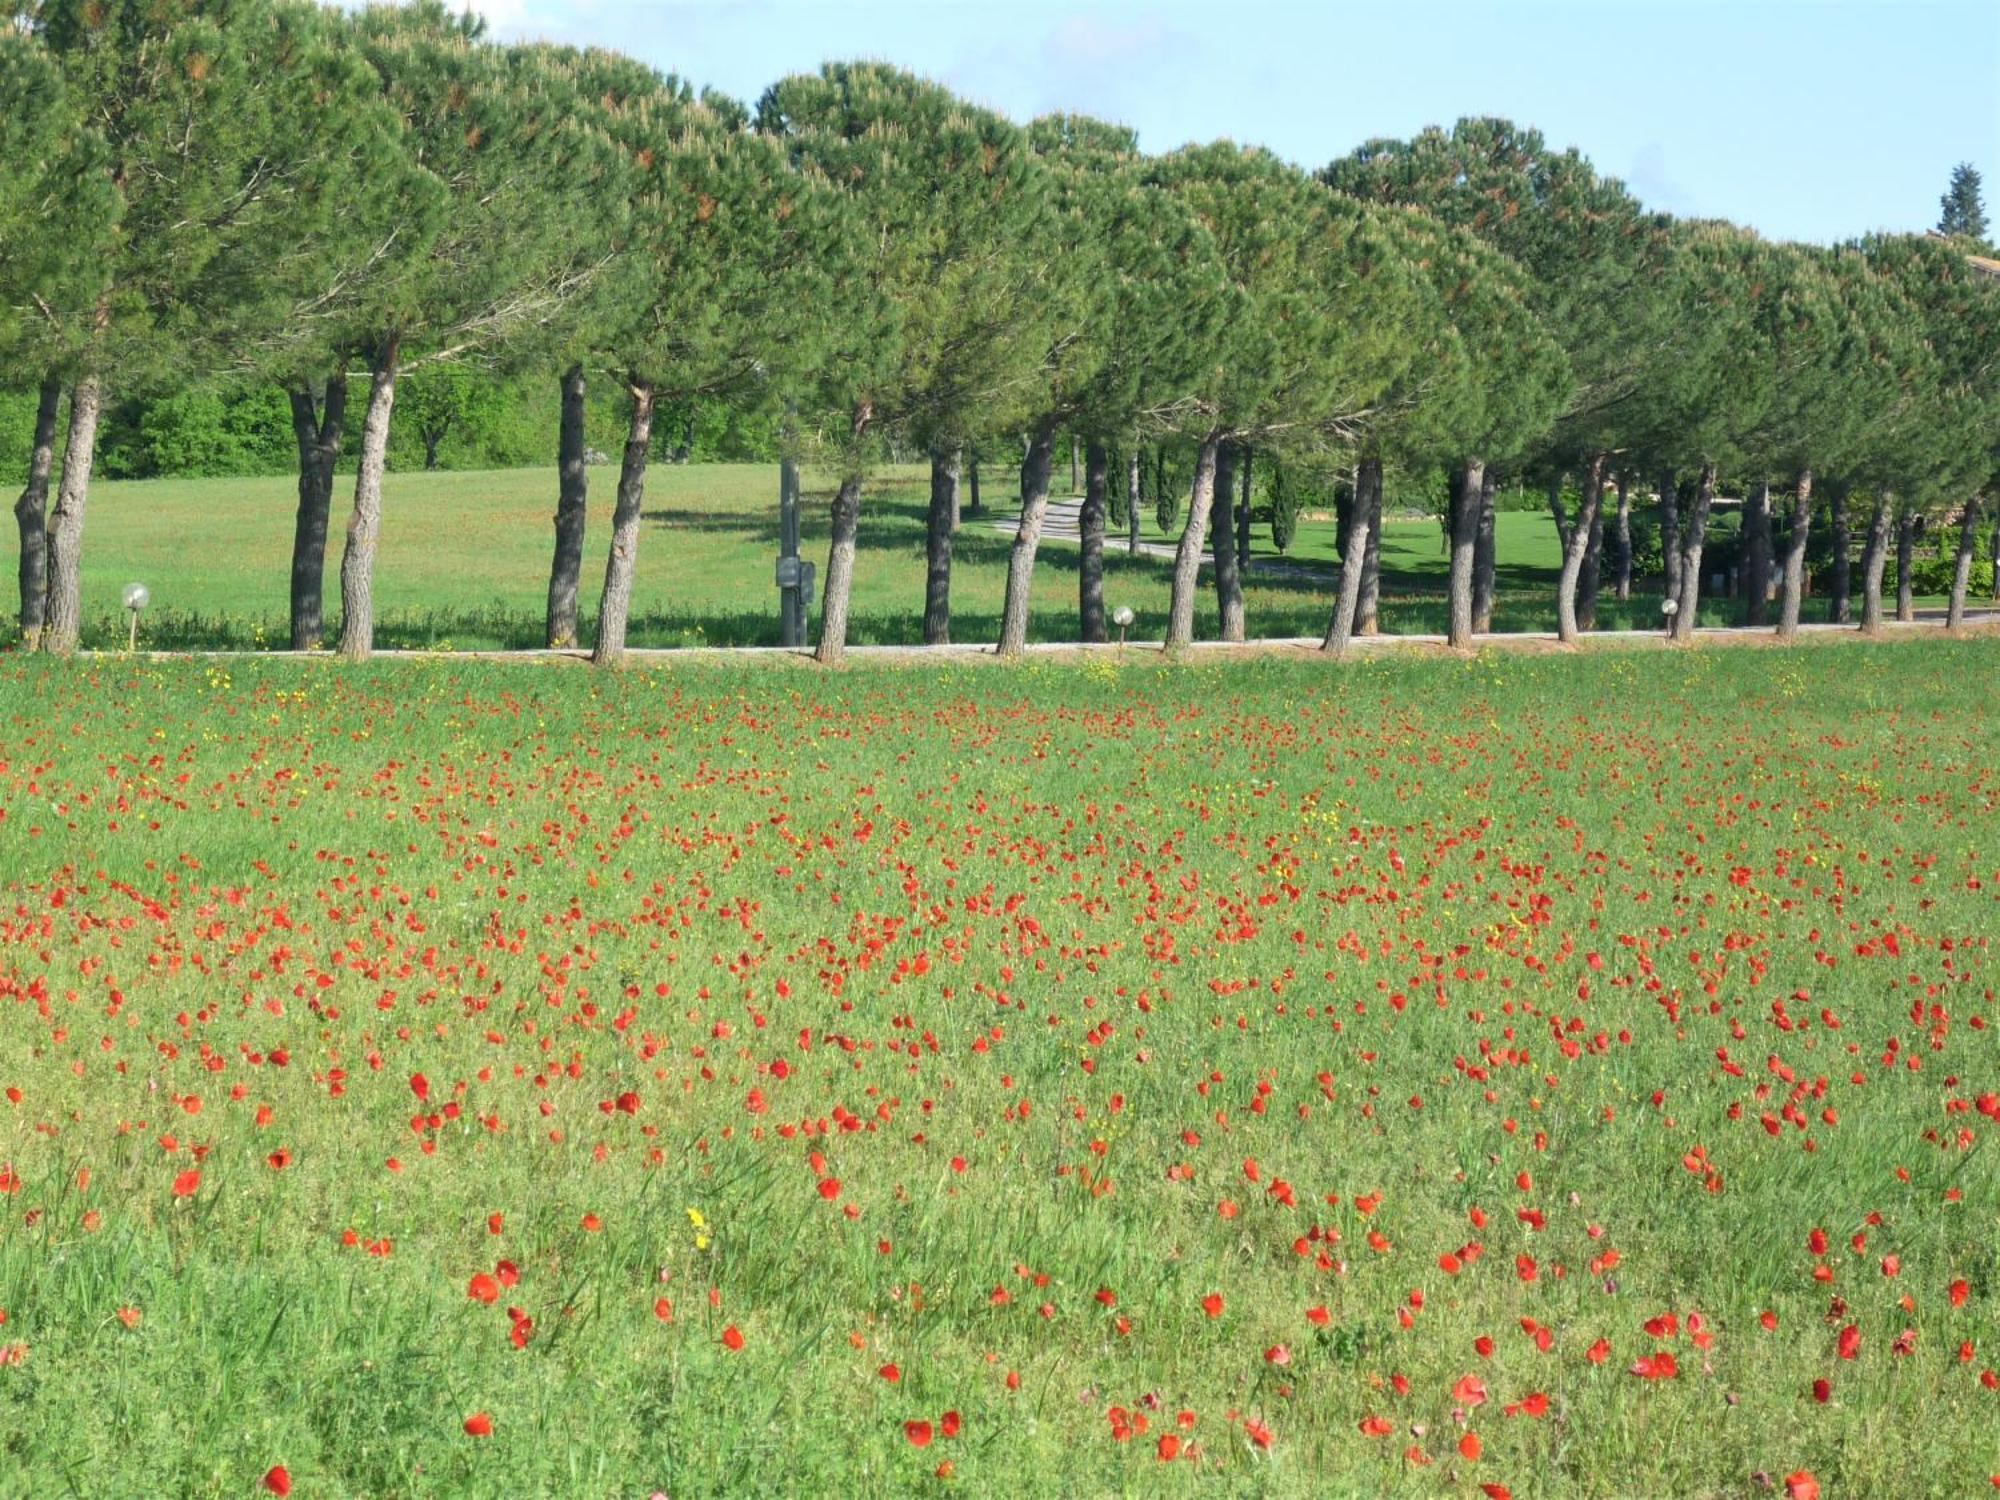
x=1985 y=265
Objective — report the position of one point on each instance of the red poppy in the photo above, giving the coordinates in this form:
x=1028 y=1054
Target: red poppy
x=278 y=1480
x=479 y=1425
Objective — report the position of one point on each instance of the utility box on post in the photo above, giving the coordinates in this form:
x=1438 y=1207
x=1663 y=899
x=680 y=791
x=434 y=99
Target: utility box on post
x=795 y=574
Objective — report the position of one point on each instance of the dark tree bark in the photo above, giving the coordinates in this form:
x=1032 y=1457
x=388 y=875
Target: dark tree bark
x=1875 y=562
x=572 y=512
x=1485 y=563
x=614 y=613
x=1567 y=629
x=1243 y=514
x=1021 y=559
x=1353 y=557
x=1795 y=557
x=972 y=480
x=1757 y=555
x=1840 y=610
x=1590 y=579
x=31 y=515
x=1961 y=575
x=357 y=562
x=1906 y=546
x=432 y=436
x=1693 y=536
x=1556 y=510
x=319 y=426
x=1187 y=556
x=1465 y=488
x=1132 y=504
x=1228 y=578
x=1368 y=504
x=1623 y=588
x=1073 y=480
x=63 y=624
x=937 y=547
x=1670 y=536
x=1090 y=536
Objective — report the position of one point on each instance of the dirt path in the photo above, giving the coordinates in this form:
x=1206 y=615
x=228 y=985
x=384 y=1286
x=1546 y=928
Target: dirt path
x=1983 y=624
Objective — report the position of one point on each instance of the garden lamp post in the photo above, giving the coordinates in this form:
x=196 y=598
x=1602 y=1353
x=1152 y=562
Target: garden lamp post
x=135 y=596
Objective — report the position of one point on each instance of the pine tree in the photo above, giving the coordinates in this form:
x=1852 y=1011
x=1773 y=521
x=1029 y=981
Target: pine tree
x=1961 y=211
x=926 y=339
x=57 y=211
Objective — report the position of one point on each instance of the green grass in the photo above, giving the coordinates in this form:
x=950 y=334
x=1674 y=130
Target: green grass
x=1059 y=973
x=464 y=560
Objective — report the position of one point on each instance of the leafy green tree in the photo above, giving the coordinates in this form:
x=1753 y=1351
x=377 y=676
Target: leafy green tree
x=498 y=162
x=1938 y=460
x=1592 y=258
x=1307 y=339
x=202 y=141
x=441 y=400
x=1962 y=209
x=716 y=292
x=58 y=207
x=913 y=347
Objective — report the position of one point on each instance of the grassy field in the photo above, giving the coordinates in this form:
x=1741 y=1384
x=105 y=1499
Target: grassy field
x=464 y=563
x=1523 y=1076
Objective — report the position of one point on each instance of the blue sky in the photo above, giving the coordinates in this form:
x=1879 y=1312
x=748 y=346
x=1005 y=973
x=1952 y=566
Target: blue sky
x=1807 y=119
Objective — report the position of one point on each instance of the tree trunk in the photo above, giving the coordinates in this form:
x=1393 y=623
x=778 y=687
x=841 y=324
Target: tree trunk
x=1021 y=559
x=1623 y=590
x=1090 y=535
x=1187 y=556
x=1795 y=557
x=1556 y=510
x=615 y=610
x=1670 y=537
x=839 y=573
x=357 y=562
x=319 y=426
x=1074 y=481
x=972 y=479
x=957 y=469
x=63 y=624
x=1839 y=611
x=1996 y=558
x=1590 y=579
x=937 y=547
x=1579 y=542
x=1228 y=578
x=1243 y=515
x=1692 y=539
x=1485 y=563
x=1874 y=562
x=431 y=441
x=1906 y=546
x=1961 y=575
x=1132 y=505
x=31 y=515
x=1353 y=556
x=1465 y=488
x=1368 y=505
x=572 y=513
x=1757 y=555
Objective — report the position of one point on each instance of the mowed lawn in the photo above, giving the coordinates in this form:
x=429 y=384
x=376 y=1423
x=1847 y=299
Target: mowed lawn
x=1531 y=1076
x=464 y=561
